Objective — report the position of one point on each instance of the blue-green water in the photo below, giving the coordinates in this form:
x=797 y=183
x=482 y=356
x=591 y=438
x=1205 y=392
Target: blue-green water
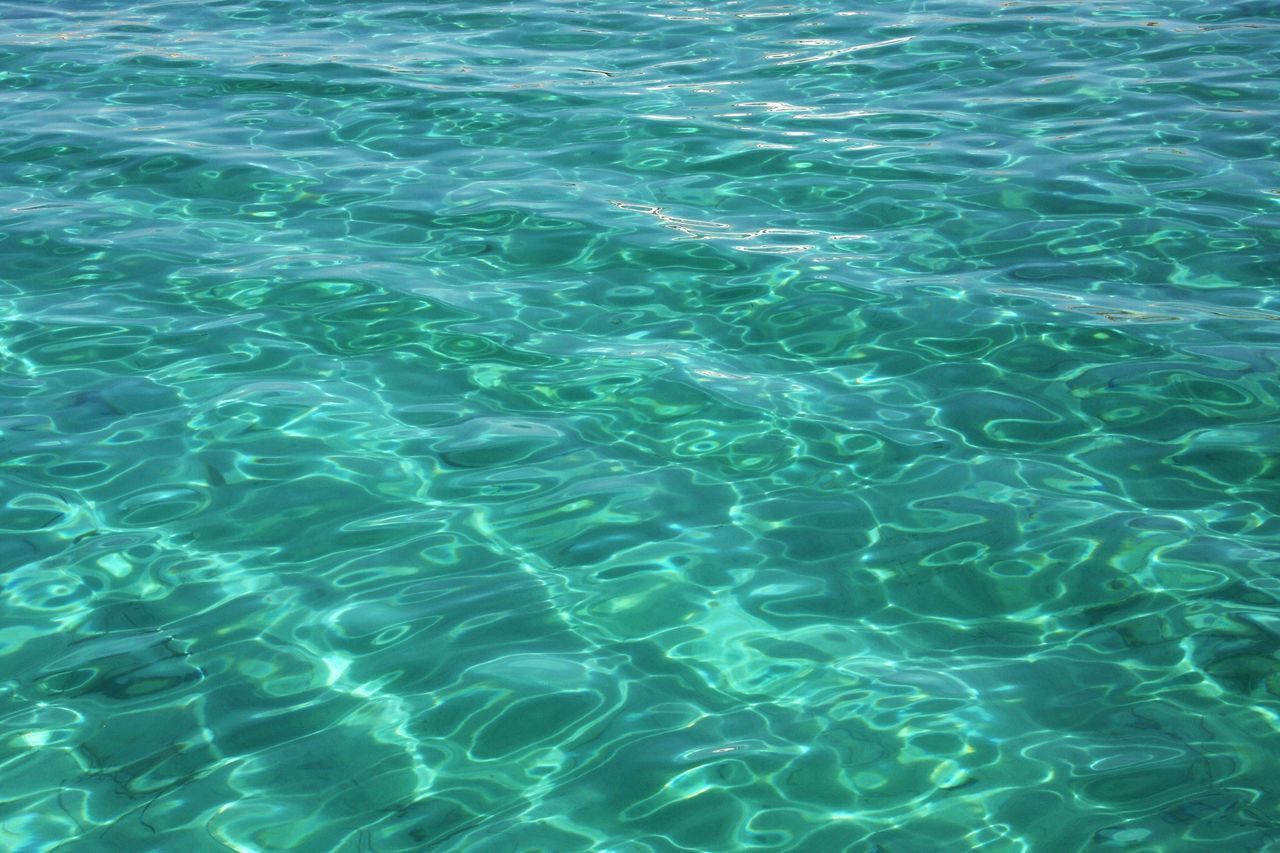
x=589 y=426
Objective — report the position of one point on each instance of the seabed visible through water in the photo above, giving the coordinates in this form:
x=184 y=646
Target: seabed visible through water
x=596 y=426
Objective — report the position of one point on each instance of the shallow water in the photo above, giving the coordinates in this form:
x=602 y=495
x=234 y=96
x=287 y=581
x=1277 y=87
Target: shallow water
x=599 y=426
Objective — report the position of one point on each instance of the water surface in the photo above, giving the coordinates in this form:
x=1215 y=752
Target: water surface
x=586 y=426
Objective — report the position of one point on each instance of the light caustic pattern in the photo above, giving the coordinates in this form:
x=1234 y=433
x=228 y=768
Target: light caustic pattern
x=583 y=426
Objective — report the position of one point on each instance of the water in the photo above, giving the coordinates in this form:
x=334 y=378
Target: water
x=624 y=427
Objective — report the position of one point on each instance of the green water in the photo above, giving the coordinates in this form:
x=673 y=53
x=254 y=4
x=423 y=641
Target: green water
x=588 y=426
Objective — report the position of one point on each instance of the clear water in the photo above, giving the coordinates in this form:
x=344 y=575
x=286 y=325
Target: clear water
x=600 y=426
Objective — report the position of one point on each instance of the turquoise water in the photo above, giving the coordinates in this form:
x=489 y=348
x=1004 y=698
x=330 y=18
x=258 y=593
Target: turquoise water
x=584 y=426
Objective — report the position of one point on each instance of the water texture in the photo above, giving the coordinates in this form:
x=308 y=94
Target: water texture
x=600 y=426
